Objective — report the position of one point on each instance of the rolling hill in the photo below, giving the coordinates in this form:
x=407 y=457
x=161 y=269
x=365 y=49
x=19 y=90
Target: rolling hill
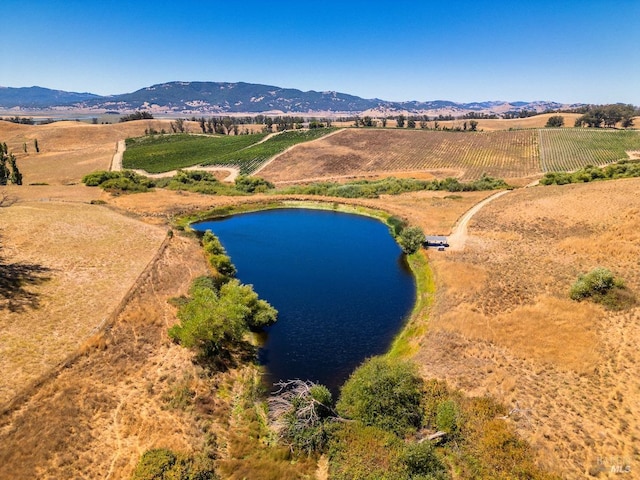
x=215 y=98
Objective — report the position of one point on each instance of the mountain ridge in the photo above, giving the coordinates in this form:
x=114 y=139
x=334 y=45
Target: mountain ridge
x=217 y=98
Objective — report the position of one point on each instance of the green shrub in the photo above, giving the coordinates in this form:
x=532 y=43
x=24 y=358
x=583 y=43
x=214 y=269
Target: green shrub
x=422 y=462
x=597 y=281
x=358 y=452
x=384 y=393
x=222 y=264
x=124 y=181
x=96 y=178
x=217 y=255
x=448 y=417
x=252 y=184
x=601 y=286
x=411 y=239
x=163 y=464
x=396 y=225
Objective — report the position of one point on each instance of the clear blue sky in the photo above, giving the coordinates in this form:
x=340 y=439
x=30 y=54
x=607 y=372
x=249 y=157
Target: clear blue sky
x=561 y=50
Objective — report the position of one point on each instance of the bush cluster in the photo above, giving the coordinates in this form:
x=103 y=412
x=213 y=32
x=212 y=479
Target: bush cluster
x=198 y=181
x=383 y=410
x=217 y=255
x=601 y=286
x=252 y=184
x=164 y=464
x=116 y=182
x=393 y=186
x=589 y=173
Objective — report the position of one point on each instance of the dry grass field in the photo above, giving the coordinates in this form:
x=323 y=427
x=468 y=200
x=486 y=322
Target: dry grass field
x=501 y=324
x=68 y=150
x=75 y=262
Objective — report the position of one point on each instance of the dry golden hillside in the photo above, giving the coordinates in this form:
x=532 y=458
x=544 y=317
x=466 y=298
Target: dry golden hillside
x=503 y=323
x=68 y=150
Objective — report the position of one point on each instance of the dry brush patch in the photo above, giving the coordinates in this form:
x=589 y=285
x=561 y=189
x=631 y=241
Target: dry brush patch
x=503 y=324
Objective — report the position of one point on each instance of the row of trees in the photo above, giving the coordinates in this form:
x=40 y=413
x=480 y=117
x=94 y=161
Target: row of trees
x=232 y=125
x=9 y=172
x=20 y=120
x=608 y=116
x=413 y=122
x=140 y=115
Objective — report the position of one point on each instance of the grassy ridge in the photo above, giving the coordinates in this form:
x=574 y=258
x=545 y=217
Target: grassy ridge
x=163 y=153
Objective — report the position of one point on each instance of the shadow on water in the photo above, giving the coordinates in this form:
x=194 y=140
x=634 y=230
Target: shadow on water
x=15 y=278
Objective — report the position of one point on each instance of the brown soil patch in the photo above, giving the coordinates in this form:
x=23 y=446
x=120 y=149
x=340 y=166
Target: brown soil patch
x=503 y=324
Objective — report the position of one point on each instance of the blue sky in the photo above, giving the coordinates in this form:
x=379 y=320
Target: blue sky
x=561 y=50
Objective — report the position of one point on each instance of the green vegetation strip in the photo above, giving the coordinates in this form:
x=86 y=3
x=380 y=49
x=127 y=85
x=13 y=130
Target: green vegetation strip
x=392 y=186
x=621 y=169
x=403 y=345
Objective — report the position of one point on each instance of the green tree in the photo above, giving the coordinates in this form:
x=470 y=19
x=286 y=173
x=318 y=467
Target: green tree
x=212 y=321
x=400 y=119
x=555 y=121
x=411 y=239
x=411 y=123
x=384 y=393
x=473 y=125
x=16 y=176
x=4 y=169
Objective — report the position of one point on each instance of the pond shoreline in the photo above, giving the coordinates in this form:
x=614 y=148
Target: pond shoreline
x=406 y=341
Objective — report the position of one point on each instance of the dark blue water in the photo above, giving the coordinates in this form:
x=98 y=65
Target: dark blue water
x=339 y=282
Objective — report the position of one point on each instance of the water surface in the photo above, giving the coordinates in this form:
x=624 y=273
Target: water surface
x=339 y=282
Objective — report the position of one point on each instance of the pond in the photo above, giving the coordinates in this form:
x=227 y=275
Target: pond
x=339 y=281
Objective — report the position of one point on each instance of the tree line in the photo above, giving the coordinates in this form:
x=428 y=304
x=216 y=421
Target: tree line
x=608 y=116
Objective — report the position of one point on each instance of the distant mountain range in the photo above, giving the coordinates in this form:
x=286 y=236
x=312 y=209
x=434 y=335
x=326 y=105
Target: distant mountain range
x=217 y=98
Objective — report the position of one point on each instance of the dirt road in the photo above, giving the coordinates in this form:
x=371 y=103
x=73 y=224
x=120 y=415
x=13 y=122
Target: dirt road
x=459 y=236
